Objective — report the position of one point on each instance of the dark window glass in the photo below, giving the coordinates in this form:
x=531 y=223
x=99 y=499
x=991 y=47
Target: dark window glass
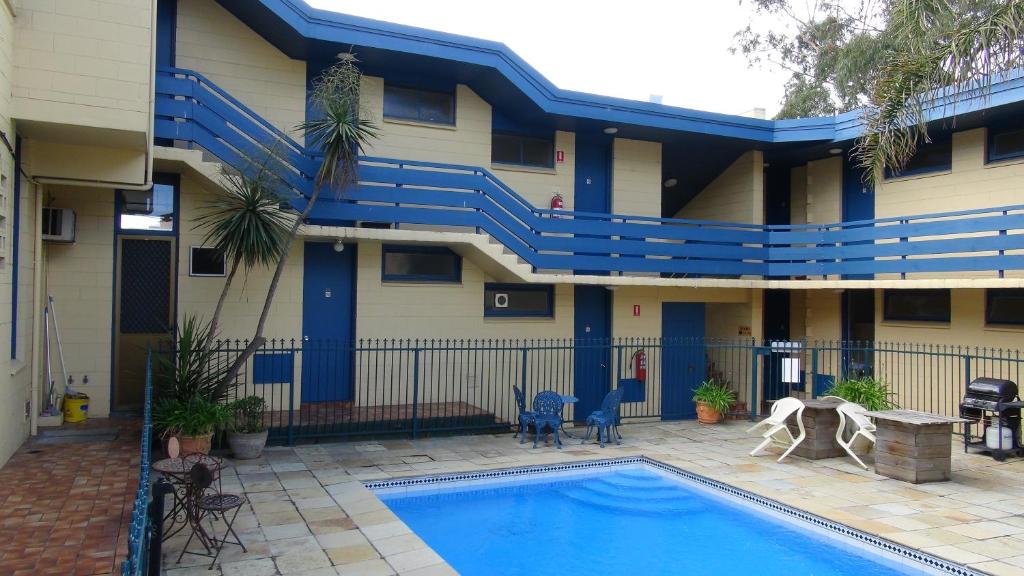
x=206 y=262
x=518 y=300
x=1004 y=306
x=420 y=264
x=917 y=305
x=147 y=210
x=933 y=157
x=1006 y=143
x=419 y=105
x=523 y=150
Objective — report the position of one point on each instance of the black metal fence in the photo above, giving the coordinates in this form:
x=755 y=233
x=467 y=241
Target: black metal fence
x=412 y=387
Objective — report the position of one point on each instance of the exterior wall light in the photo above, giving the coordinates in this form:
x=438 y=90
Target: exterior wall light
x=835 y=151
x=670 y=183
x=339 y=246
x=611 y=130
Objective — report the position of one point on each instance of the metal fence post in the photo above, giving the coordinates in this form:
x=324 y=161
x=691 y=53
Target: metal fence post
x=415 y=389
x=291 y=400
x=156 y=522
x=754 y=352
x=522 y=372
x=967 y=370
x=814 y=372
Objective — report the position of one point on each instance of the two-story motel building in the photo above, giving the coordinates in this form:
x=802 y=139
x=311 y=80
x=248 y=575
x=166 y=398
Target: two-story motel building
x=675 y=222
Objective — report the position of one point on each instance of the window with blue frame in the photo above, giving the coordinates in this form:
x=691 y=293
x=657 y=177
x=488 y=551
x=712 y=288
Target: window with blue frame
x=521 y=150
x=149 y=211
x=420 y=264
x=431 y=106
x=519 y=300
x=1005 y=143
x=918 y=305
x=934 y=157
x=1004 y=306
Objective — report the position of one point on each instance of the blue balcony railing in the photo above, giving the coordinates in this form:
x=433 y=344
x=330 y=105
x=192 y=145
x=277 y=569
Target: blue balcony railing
x=191 y=109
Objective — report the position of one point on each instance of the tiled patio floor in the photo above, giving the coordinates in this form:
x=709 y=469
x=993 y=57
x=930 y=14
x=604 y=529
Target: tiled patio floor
x=310 y=514
x=64 y=504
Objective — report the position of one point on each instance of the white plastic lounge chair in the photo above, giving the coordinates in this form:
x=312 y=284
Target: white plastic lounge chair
x=777 y=432
x=854 y=413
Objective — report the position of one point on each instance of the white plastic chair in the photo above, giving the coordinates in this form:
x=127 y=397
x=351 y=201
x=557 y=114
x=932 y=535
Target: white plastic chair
x=778 y=433
x=864 y=428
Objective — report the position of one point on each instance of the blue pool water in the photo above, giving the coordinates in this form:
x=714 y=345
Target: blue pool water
x=610 y=521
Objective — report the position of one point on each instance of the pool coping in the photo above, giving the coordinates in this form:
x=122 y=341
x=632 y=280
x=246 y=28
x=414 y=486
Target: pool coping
x=838 y=528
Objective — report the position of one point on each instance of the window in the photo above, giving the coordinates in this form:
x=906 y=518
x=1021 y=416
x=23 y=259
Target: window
x=916 y=305
x=513 y=300
x=419 y=105
x=420 y=264
x=934 y=157
x=523 y=150
x=1005 y=143
x=1004 y=306
x=205 y=262
x=150 y=210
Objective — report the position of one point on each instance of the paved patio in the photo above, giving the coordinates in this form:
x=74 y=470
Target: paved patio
x=311 y=515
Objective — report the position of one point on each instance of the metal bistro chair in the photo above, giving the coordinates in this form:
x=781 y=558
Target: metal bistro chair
x=525 y=416
x=547 y=412
x=606 y=419
x=201 y=502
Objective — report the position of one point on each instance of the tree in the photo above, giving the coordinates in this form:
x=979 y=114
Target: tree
x=245 y=223
x=338 y=133
x=831 y=48
x=946 y=50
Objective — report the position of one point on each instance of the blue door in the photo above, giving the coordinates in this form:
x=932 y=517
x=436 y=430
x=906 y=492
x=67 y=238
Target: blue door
x=328 y=322
x=592 y=192
x=592 y=360
x=682 y=358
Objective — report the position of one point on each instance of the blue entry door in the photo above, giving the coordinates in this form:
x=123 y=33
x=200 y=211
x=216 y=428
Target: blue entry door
x=328 y=322
x=592 y=359
x=682 y=358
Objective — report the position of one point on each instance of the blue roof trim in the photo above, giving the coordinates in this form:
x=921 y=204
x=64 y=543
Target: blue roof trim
x=326 y=26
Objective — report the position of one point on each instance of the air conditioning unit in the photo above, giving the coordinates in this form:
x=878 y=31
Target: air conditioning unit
x=58 y=224
x=501 y=300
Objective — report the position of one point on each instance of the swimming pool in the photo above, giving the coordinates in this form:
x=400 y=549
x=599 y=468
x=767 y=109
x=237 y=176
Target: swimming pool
x=627 y=517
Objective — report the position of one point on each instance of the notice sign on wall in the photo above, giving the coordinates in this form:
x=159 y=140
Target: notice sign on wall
x=744 y=331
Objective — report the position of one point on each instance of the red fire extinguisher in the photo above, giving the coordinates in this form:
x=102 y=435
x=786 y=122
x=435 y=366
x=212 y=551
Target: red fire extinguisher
x=557 y=203
x=639 y=363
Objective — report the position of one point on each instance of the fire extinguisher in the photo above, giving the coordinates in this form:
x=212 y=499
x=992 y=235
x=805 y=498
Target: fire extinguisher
x=557 y=203
x=639 y=363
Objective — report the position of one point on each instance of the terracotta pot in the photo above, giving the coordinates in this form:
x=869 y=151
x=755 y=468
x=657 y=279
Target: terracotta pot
x=707 y=415
x=193 y=444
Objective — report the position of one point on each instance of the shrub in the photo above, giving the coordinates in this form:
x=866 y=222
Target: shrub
x=871 y=393
x=196 y=416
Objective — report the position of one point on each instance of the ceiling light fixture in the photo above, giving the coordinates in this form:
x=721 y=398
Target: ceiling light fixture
x=611 y=130
x=834 y=151
x=339 y=246
x=670 y=183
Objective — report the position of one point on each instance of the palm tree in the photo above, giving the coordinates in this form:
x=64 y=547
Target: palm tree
x=944 y=50
x=337 y=133
x=245 y=223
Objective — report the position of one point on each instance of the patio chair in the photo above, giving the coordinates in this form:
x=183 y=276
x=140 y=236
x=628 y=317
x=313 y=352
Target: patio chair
x=606 y=419
x=547 y=412
x=864 y=428
x=203 y=501
x=777 y=432
x=525 y=416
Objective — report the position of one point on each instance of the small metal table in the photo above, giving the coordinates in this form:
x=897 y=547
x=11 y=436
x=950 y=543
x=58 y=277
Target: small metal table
x=820 y=423
x=913 y=446
x=566 y=399
x=176 y=471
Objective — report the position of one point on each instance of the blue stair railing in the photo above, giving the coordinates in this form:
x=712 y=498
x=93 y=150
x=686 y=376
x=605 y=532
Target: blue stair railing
x=192 y=110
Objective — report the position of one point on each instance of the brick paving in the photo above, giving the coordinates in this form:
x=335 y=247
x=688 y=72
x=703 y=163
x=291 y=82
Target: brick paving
x=64 y=505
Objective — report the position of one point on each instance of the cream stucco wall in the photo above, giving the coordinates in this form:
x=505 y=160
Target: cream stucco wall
x=636 y=177
x=736 y=195
x=211 y=41
x=824 y=191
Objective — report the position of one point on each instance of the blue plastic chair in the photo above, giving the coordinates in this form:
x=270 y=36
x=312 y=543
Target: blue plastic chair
x=606 y=420
x=547 y=412
x=525 y=416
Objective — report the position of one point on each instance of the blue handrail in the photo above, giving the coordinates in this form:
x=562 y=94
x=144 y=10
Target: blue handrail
x=140 y=526
x=189 y=107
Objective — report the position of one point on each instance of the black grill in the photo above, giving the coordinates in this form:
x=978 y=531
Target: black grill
x=991 y=402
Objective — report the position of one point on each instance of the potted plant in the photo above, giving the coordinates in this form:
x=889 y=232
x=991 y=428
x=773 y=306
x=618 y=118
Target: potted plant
x=248 y=432
x=869 y=392
x=192 y=422
x=713 y=401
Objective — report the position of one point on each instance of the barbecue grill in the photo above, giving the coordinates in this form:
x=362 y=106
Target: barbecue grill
x=992 y=405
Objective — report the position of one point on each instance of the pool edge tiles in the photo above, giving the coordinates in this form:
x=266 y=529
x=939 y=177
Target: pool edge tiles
x=758 y=504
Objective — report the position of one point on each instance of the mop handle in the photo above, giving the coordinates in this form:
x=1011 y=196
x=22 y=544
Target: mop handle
x=60 y=347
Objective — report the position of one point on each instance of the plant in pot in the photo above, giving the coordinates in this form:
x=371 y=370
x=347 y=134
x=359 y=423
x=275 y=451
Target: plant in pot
x=248 y=432
x=713 y=400
x=192 y=421
x=871 y=393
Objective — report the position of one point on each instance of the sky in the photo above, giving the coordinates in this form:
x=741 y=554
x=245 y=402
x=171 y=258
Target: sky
x=678 y=49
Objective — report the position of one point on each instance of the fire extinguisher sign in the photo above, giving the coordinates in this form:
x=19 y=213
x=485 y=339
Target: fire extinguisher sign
x=636 y=309
x=559 y=156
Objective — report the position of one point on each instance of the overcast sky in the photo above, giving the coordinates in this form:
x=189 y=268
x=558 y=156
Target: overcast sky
x=630 y=49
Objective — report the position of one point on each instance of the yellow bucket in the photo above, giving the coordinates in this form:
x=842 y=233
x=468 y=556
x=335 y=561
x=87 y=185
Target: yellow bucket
x=76 y=408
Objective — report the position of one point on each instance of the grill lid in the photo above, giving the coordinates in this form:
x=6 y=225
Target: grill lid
x=992 y=390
